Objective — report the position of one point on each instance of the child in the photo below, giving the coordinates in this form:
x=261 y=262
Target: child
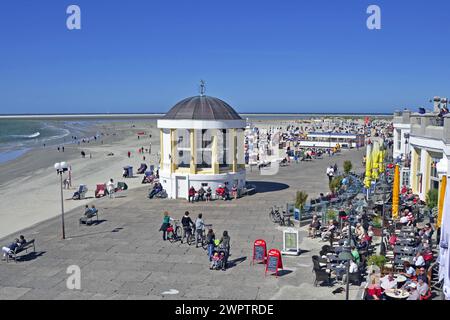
x=215 y=261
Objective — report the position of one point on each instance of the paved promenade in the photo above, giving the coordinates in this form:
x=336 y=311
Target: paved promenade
x=124 y=257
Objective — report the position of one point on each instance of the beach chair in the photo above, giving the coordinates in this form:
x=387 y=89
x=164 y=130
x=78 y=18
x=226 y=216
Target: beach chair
x=142 y=168
x=81 y=193
x=100 y=191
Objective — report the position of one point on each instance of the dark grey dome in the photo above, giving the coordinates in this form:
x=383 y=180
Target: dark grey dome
x=202 y=108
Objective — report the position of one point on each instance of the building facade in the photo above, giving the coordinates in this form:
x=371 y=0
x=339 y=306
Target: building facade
x=423 y=139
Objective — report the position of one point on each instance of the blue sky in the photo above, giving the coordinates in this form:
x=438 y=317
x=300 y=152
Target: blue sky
x=259 y=56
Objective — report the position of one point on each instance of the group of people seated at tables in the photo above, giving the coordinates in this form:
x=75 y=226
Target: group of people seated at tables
x=222 y=192
x=411 y=287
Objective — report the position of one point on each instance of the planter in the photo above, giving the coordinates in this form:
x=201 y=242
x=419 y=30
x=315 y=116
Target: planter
x=377 y=231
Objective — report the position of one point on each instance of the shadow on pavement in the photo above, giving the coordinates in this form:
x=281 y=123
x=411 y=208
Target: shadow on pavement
x=267 y=186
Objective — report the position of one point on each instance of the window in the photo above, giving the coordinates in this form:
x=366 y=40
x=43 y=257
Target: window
x=223 y=146
x=183 y=145
x=204 y=148
x=434 y=177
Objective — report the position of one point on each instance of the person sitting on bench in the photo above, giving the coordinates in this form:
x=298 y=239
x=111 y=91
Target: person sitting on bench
x=88 y=214
x=157 y=188
x=13 y=246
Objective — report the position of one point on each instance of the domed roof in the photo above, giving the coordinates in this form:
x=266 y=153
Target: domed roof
x=202 y=108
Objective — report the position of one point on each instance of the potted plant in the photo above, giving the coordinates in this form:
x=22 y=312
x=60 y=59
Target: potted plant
x=377 y=260
x=300 y=200
x=377 y=226
x=347 y=167
x=331 y=215
x=335 y=184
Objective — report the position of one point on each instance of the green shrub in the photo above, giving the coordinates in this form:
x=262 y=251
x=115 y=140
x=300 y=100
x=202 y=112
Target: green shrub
x=432 y=198
x=376 y=222
x=331 y=214
x=347 y=166
x=335 y=184
x=300 y=199
x=377 y=260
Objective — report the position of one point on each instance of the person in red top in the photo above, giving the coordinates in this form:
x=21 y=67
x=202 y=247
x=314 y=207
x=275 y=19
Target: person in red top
x=374 y=292
x=404 y=189
x=191 y=194
x=392 y=239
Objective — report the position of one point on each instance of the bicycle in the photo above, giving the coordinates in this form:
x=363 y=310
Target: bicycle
x=174 y=232
x=189 y=234
x=283 y=219
x=201 y=237
x=275 y=215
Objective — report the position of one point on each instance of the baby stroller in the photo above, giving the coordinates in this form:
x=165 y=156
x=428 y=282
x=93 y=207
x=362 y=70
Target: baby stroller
x=100 y=191
x=218 y=264
x=81 y=193
x=142 y=168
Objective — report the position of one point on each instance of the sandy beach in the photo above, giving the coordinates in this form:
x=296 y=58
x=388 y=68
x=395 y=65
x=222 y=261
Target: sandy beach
x=30 y=187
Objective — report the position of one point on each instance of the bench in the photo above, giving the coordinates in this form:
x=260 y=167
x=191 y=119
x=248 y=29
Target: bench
x=24 y=247
x=247 y=190
x=89 y=217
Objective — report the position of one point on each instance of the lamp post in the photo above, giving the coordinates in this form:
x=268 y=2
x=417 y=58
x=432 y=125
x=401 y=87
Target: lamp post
x=62 y=167
x=346 y=255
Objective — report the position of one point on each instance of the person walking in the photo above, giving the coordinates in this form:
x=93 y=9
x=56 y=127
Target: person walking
x=225 y=245
x=110 y=187
x=186 y=222
x=129 y=154
x=199 y=228
x=165 y=224
x=210 y=238
x=330 y=173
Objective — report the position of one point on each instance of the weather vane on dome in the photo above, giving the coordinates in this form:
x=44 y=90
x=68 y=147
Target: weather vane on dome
x=202 y=88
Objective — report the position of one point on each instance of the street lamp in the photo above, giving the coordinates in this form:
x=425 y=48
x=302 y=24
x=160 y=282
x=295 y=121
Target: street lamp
x=62 y=167
x=346 y=255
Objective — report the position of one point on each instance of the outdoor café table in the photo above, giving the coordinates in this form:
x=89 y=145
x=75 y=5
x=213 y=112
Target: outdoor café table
x=405 y=241
x=396 y=294
x=400 y=259
x=333 y=258
x=401 y=279
x=403 y=234
x=404 y=250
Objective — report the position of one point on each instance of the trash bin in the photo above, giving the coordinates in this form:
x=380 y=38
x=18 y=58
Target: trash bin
x=297 y=214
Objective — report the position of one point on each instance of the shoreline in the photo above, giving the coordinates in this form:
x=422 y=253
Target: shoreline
x=30 y=188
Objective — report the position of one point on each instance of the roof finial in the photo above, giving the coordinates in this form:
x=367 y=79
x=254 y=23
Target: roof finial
x=202 y=88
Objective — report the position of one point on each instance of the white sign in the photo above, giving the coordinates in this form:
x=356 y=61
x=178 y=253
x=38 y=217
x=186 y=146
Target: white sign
x=290 y=242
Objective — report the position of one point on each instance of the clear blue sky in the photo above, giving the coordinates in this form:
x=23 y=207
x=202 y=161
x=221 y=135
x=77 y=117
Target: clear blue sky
x=258 y=55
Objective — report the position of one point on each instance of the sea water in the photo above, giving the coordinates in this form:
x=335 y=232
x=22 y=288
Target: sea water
x=19 y=136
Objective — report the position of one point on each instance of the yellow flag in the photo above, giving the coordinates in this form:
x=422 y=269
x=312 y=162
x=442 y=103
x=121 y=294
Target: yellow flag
x=442 y=186
x=396 y=193
x=368 y=175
